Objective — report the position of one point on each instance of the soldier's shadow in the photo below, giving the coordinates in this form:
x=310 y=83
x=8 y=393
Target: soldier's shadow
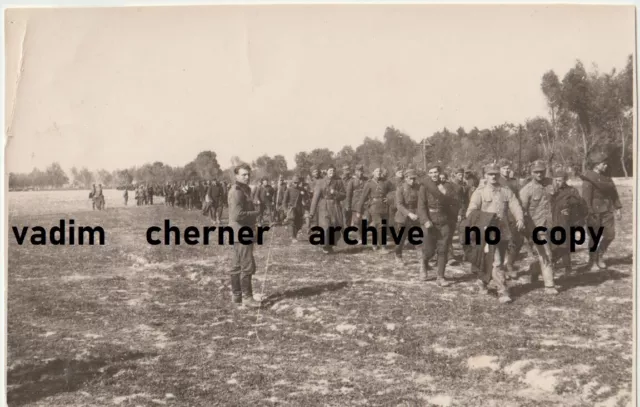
x=567 y=282
x=308 y=291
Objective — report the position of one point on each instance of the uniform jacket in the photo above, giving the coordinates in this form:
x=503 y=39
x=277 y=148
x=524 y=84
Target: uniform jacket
x=294 y=198
x=326 y=202
x=462 y=199
x=536 y=198
x=354 y=187
x=241 y=209
x=568 y=198
x=433 y=205
x=266 y=195
x=499 y=200
x=599 y=192
x=406 y=202
x=376 y=192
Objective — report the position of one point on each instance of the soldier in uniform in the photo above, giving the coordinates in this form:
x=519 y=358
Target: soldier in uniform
x=242 y=213
x=346 y=177
x=126 y=195
x=437 y=215
x=461 y=198
x=92 y=196
x=536 y=198
x=601 y=196
x=495 y=198
x=407 y=211
x=266 y=196
x=316 y=176
x=99 y=198
x=517 y=240
x=376 y=191
x=224 y=195
x=280 y=208
x=326 y=206
x=568 y=209
x=396 y=183
x=293 y=202
x=354 y=188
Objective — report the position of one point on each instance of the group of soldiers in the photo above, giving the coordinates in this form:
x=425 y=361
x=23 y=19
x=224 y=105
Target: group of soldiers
x=210 y=196
x=441 y=205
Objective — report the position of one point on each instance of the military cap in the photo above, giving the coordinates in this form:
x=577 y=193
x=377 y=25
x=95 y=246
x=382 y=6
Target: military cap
x=538 y=165
x=459 y=171
x=410 y=174
x=560 y=173
x=346 y=168
x=398 y=168
x=503 y=162
x=359 y=167
x=599 y=157
x=315 y=168
x=331 y=166
x=435 y=164
x=492 y=169
x=296 y=178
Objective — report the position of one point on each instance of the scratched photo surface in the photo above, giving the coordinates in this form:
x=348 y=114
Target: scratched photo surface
x=118 y=119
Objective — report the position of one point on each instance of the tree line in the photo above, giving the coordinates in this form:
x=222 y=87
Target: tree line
x=587 y=111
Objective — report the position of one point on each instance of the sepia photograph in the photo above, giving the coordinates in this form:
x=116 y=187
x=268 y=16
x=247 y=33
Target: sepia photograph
x=320 y=205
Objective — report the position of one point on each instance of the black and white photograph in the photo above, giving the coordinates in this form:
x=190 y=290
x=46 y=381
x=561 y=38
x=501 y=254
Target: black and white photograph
x=320 y=205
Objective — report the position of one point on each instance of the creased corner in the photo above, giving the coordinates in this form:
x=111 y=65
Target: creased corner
x=14 y=97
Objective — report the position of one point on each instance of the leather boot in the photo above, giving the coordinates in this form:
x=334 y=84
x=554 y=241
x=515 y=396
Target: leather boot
x=236 y=289
x=512 y=272
x=600 y=260
x=424 y=270
x=247 y=292
x=591 y=264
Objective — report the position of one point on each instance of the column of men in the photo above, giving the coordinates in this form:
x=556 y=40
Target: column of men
x=442 y=207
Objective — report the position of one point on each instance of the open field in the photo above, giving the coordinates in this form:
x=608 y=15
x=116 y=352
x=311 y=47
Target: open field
x=130 y=324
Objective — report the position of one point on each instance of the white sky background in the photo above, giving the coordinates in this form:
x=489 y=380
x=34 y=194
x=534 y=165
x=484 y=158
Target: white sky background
x=113 y=88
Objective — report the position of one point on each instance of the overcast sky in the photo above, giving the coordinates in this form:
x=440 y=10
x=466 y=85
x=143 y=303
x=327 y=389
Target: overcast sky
x=112 y=88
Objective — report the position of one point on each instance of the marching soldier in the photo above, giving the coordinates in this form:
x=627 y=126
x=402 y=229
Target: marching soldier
x=495 y=198
x=506 y=179
x=242 y=213
x=376 y=191
x=280 y=208
x=536 y=199
x=407 y=211
x=99 y=198
x=569 y=209
x=224 y=195
x=601 y=196
x=436 y=212
x=346 y=177
x=316 y=176
x=326 y=206
x=264 y=193
x=396 y=183
x=92 y=196
x=355 y=187
x=293 y=201
x=126 y=195
x=461 y=198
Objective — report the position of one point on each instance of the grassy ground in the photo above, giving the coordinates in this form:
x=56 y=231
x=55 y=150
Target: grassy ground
x=132 y=324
